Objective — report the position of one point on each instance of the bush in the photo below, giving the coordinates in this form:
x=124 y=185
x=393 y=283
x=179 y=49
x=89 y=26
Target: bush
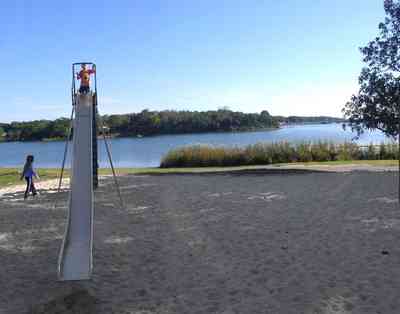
x=320 y=152
x=349 y=151
x=304 y=153
x=370 y=153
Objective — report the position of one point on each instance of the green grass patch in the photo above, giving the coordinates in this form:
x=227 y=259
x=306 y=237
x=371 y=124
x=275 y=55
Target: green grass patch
x=377 y=163
x=11 y=176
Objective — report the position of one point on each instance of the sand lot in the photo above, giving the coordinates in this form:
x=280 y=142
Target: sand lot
x=259 y=242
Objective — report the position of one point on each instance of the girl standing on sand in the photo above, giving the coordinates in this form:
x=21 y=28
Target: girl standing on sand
x=28 y=173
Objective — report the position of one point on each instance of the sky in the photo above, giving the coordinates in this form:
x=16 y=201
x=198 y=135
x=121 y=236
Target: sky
x=290 y=57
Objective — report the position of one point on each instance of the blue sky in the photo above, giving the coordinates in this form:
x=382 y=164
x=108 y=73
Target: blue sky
x=288 y=57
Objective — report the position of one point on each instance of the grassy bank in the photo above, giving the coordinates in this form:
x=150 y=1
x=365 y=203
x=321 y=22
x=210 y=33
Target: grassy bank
x=266 y=154
x=10 y=176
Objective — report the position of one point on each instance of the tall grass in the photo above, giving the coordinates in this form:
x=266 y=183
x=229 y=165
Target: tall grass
x=271 y=153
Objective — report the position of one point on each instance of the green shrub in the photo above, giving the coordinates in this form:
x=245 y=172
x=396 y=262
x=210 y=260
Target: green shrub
x=388 y=151
x=257 y=154
x=382 y=151
x=320 y=152
x=370 y=153
x=303 y=151
x=349 y=151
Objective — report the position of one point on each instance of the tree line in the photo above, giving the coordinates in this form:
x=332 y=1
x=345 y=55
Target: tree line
x=148 y=123
x=143 y=124
x=305 y=120
x=35 y=130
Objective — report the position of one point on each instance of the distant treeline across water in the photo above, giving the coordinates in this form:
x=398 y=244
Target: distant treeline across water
x=148 y=123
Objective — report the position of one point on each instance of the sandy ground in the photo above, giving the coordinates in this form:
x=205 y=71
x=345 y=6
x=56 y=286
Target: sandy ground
x=53 y=184
x=261 y=242
x=47 y=185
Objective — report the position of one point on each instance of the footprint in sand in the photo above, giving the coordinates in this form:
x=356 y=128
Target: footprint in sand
x=214 y=195
x=219 y=194
x=137 y=209
x=384 y=199
x=3 y=237
x=117 y=240
x=268 y=196
x=375 y=223
x=9 y=243
x=207 y=210
x=337 y=305
x=134 y=186
x=21 y=241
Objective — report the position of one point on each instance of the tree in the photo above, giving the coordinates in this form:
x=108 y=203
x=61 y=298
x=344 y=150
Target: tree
x=377 y=105
x=58 y=128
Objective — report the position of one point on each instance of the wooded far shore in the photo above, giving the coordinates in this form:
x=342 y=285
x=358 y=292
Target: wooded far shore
x=147 y=123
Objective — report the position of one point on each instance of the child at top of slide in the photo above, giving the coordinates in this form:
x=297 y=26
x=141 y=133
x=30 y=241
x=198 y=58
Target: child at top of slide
x=84 y=76
x=28 y=173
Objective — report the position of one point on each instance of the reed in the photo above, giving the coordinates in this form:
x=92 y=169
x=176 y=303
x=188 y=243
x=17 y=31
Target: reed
x=272 y=153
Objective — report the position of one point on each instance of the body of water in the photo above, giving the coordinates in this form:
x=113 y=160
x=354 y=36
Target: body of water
x=148 y=151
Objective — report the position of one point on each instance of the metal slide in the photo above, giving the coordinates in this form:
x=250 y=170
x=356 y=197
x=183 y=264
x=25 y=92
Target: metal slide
x=75 y=260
